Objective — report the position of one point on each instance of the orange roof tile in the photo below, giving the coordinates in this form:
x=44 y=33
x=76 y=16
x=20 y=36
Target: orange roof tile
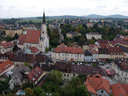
x=119 y=89
x=96 y=82
x=5 y=65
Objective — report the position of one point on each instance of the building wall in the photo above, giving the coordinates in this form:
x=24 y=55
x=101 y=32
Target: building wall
x=112 y=56
x=68 y=76
x=85 y=47
x=11 y=33
x=120 y=75
x=68 y=56
x=27 y=45
x=102 y=92
x=26 y=28
x=69 y=35
x=4 y=50
x=95 y=57
x=89 y=36
x=88 y=59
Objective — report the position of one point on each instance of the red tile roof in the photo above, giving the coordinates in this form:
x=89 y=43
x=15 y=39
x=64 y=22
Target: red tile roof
x=5 y=65
x=103 y=43
x=115 y=50
x=34 y=49
x=118 y=41
x=21 y=39
x=35 y=74
x=96 y=82
x=119 y=89
x=32 y=36
x=63 y=49
x=8 y=44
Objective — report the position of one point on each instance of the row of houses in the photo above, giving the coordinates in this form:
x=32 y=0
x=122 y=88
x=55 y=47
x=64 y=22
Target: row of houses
x=91 y=54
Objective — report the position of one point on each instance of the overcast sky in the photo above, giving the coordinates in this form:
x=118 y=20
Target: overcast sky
x=30 y=8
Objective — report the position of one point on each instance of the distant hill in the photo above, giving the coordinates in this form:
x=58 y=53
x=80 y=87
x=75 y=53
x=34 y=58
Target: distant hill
x=118 y=16
x=89 y=16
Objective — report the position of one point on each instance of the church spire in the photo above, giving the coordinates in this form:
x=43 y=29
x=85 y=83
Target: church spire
x=43 y=18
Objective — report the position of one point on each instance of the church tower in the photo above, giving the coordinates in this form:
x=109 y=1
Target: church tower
x=44 y=39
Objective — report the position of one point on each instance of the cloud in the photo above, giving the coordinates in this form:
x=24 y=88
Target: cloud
x=29 y=8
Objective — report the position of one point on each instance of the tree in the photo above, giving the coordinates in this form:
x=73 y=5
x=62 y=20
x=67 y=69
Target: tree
x=81 y=90
x=15 y=47
x=55 y=77
x=16 y=36
x=37 y=91
x=4 y=86
x=91 y=41
x=29 y=92
x=83 y=77
x=26 y=85
x=81 y=41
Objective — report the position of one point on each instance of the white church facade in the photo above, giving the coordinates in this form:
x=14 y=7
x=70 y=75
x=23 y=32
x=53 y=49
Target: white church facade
x=35 y=38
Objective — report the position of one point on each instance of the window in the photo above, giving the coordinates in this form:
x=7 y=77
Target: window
x=64 y=74
x=68 y=75
x=73 y=74
x=102 y=91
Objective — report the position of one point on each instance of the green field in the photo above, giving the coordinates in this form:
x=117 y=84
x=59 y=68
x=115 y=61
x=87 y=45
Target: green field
x=33 y=20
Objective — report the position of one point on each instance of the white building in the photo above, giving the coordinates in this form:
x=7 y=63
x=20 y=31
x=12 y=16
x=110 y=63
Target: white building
x=95 y=35
x=6 y=47
x=121 y=70
x=62 y=52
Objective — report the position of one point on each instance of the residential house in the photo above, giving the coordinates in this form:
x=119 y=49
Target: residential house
x=95 y=55
x=97 y=86
x=124 y=49
x=89 y=24
x=86 y=46
x=103 y=43
x=93 y=35
x=31 y=59
x=121 y=70
x=62 y=52
x=119 y=89
x=118 y=42
x=19 y=76
x=72 y=34
x=6 y=47
x=6 y=66
x=115 y=52
x=71 y=69
x=103 y=54
x=36 y=75
x=88 y=56
x=65 y=68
